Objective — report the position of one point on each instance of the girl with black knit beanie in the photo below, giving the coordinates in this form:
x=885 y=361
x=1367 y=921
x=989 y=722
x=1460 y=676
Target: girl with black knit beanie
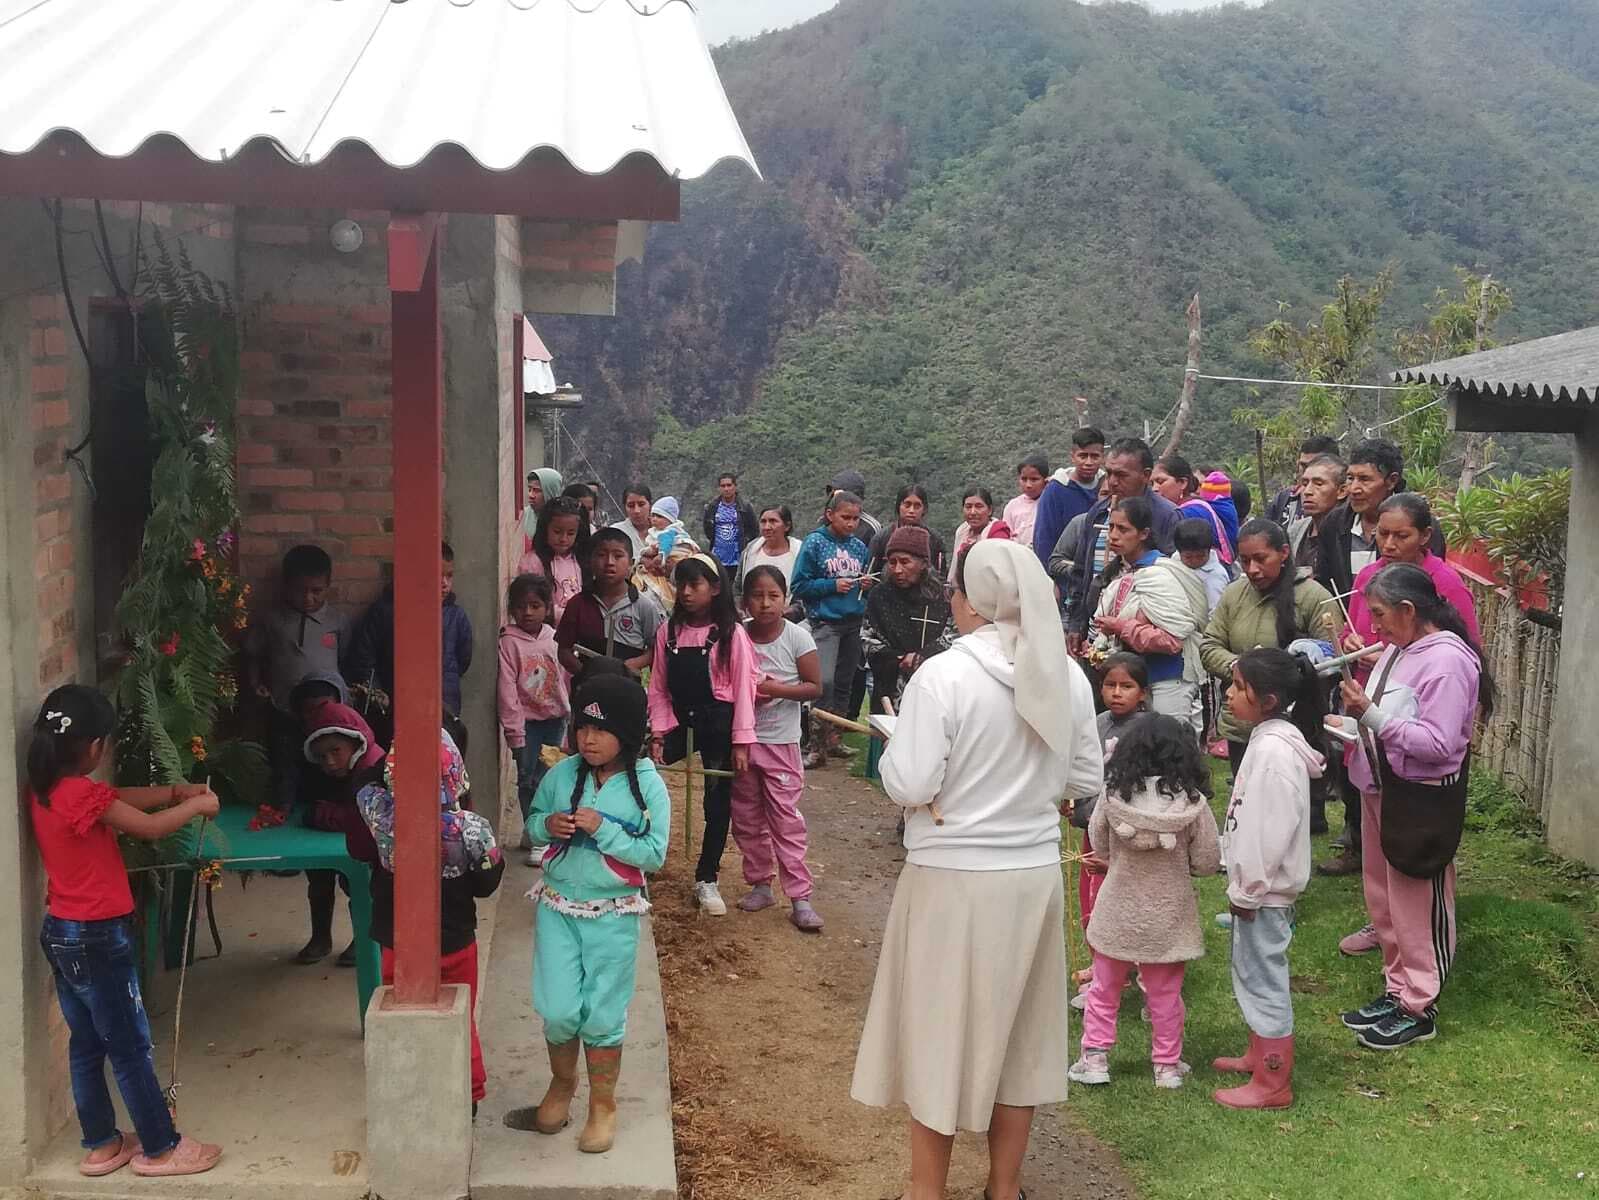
x=603 y=818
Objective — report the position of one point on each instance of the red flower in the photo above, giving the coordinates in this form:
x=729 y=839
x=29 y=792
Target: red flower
x=197 y=551
x=266 y=817
x=170 y=646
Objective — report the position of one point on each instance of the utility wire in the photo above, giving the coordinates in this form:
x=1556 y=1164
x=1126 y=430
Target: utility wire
x=560 y=425
x=1358 y=387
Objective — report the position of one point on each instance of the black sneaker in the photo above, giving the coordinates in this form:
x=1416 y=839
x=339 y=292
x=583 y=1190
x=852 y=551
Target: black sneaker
x=1369 y=1016
x=1398 y=1030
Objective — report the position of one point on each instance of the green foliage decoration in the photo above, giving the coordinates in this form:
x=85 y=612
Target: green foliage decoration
x=183 y=604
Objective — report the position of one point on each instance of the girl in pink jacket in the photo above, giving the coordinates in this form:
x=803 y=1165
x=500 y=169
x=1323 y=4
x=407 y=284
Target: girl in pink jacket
x=531 y=688
x=1266 y=841
x=703 y=679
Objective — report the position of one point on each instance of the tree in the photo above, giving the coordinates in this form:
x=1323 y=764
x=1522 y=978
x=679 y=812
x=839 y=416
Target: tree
x=1332 y=351
x=1458 y=324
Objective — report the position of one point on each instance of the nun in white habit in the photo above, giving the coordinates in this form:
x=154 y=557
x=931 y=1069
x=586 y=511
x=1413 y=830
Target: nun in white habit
x=968 y=1019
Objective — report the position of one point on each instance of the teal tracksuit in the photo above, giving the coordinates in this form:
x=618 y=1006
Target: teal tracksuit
x=586 y=928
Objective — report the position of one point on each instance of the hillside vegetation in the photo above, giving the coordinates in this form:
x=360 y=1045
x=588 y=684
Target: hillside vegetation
x=973 y=210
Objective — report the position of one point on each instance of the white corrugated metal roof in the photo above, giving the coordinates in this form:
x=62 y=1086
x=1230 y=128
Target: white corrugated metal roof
x=596 y=80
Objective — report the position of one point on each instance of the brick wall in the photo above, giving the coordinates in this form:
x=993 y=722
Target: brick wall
x=314 y=434
x=54 y=534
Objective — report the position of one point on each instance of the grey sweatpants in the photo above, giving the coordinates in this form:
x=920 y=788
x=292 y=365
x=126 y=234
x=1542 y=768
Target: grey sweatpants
x=1260 y=971
x=838 y=652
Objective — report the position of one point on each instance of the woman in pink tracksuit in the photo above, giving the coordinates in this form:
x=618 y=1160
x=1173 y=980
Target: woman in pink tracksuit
x=1423 y=697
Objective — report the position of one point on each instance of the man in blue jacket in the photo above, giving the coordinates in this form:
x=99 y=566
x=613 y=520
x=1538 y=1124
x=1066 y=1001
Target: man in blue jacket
x=1070 y=491
x=830 y=580
x=1128 y=466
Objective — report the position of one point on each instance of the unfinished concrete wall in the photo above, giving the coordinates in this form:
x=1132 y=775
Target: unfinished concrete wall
x=481 y=301
x=46 y=544
x=570 y=266
x=1573 y=809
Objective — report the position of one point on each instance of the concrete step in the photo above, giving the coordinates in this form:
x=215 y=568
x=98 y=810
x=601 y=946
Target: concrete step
x=509 y=1165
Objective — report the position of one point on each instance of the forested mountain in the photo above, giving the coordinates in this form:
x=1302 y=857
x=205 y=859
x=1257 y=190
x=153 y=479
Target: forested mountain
x=973 y=210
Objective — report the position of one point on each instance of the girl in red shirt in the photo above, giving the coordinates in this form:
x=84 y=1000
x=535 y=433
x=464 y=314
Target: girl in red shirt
x=88 y=930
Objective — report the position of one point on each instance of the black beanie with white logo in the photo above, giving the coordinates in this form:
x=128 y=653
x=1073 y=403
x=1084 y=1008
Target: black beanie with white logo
x=616 y=704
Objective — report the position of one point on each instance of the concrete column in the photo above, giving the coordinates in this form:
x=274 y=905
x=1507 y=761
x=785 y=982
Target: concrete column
x=1573 y=816
x=23 y=1038
x=479 y=497
x=419 y=1097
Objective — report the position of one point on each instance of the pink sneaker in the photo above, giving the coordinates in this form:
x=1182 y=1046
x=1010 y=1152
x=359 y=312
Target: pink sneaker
x=1362 y=941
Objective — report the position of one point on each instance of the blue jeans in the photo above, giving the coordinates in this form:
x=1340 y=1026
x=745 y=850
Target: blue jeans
x=530 y=768
x=97 y=982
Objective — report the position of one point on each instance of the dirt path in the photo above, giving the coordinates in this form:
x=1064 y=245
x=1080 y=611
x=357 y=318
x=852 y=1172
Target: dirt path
x=763 y=1023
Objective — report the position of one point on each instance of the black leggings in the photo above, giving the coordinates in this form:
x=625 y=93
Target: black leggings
x=713 y=741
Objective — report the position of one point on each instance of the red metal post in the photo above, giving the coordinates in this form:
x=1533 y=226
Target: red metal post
x=417 y=362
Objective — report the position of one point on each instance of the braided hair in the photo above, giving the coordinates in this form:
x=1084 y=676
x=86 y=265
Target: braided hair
x=631 y=769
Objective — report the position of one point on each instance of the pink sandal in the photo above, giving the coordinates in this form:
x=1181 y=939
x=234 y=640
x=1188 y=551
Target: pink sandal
x=188 y=1158
x=124 y=1155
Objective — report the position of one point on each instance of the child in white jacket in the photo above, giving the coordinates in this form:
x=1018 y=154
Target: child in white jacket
x=1266 y=835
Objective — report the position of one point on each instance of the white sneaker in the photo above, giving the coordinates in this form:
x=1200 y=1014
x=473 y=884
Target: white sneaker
x=1093 y=1066
x=1170 y=1076
x=709 y=897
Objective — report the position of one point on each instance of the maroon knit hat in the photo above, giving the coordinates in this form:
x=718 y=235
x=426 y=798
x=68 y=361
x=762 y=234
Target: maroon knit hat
x=910 y=539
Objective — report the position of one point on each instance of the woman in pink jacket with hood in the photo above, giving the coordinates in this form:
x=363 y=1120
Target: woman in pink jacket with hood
x=1416 y=712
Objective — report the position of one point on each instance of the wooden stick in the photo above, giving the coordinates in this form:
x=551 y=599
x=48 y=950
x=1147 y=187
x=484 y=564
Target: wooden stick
x=844 y=722
x=1330 y=665
x=688 y=791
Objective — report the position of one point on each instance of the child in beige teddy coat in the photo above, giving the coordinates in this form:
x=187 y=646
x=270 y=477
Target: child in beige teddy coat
x=1152 y=832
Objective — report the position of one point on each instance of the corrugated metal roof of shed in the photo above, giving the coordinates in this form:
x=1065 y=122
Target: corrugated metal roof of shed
x=596 y=81
x=1564 y=367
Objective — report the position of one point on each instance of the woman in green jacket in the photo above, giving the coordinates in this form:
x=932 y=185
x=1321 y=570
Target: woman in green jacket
x=1272 y=605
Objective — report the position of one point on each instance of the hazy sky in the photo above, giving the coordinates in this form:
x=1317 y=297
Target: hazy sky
x=723 y=19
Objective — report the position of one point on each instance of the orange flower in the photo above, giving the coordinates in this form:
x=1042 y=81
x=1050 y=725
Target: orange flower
x=197 y=748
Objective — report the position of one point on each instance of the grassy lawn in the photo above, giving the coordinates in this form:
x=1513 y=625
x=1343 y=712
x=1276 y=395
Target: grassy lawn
x=1503 y=1103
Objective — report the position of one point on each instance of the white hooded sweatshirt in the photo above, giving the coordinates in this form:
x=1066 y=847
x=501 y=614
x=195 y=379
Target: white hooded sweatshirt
x=1266 y=834
x=959 y=741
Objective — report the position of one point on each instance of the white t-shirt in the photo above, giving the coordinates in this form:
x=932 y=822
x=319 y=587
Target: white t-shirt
x=777 y=722
x=755 y=555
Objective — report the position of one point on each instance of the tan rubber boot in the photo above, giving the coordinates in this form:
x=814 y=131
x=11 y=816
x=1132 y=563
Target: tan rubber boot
x=604 y=1063
x=554 y=1112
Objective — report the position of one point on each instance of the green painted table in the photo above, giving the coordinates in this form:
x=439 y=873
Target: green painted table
x=288 y=847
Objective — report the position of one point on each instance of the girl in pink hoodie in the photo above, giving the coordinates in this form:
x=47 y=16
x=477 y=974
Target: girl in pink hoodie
x=1266 y=840
x=532 y=687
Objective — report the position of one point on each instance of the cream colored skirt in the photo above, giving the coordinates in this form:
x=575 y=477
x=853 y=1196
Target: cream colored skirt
x=969 y=1008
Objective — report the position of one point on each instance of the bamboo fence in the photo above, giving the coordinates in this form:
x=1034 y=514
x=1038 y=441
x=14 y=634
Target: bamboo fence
x=1525 y=659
